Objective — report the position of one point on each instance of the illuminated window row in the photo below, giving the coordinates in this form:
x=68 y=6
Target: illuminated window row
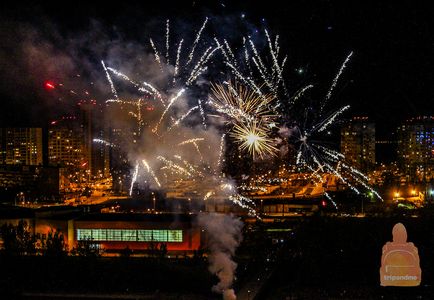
x=129 y=235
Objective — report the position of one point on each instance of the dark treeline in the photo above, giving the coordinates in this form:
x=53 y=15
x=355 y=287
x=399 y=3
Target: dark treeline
x=30 y=264
x=340 y=258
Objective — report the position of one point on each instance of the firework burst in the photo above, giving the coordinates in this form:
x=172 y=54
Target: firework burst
x=263 y=72
x=173 y=140
x=254 y=138
x=240 y=104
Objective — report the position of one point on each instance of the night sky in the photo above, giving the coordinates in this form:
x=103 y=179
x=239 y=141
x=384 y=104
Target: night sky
x=389 y=78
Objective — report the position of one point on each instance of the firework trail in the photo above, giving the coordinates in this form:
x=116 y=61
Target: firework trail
x=196 y=41
x=253 y=66
x=191 y=141
x=253 y=108
x=238 y=104
x=324 y=124
x=145 y=163
x=172 y=101
x=114 y=92
x=164 y=124
x=134 y=179
x=261 y=77
x=157 y=55
x=165 y=127
x=335 y=81
x=167 y=42
x=178 y=54
x=202 y=113
x=221 y=152
x=104 y=142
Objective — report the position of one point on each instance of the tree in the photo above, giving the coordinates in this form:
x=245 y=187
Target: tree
x=126 y=252
x=86 y=248
x=55 y=244
x=18 y=240
x=157 y=250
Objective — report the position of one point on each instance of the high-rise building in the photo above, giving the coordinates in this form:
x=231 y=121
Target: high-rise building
x=66 y=144
x=101 y=154
x=93 y=127
x=358 y=143
x=2 y=147
x=87 y=109
x=416 y=148
x=21 y=146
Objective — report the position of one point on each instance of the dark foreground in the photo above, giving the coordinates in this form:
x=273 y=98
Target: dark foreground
x=103 y=278
x=315 y=258
x=339 y=258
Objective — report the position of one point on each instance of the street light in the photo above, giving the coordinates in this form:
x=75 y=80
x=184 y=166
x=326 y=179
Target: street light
x=153 y=199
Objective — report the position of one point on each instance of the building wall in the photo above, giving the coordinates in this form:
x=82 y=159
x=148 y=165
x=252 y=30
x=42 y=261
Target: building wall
x=65 y=147
x=22 y=146
x=35 y=182
x=41 y=227
x=416 y=147
x=190 y=235
x=358 y=143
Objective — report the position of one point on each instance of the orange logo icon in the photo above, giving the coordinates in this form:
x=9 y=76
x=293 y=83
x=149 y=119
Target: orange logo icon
x=400 y=261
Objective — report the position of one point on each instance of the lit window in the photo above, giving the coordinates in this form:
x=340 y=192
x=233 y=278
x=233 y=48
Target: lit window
x=130 y=235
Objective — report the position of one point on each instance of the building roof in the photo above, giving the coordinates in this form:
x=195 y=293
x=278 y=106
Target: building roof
x=15 y=212
x=137 y=217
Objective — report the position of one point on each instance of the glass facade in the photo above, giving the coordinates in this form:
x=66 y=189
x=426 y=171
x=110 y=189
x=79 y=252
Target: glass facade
x=130 y=235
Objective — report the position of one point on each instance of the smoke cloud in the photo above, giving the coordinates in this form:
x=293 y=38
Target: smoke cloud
x=223 y=238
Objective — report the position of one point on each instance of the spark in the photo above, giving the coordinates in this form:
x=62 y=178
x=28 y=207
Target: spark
x=241 y=104
x=123 y=76
x=300 y=93
x=190 y=141
x=150 y=171
x=254 y=139
x=196 y=146
x=134 y=179
x=190 y=55
x=178 y=53
x=114 y=92
x=177 y=122
x=179 y=94
x=243 y=202
x=221 y=152
x=330 y=198
x=208 y=194
x=328 y=121
x=157 y=55
x=202 y=113
x=174 y=167
x=167 y=41
x=335 y=81
x=104 y=142
x=277 y=69
x=199 y=67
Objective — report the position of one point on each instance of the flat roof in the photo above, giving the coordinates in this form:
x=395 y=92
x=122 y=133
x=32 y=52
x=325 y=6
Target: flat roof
x=15 y=212
x=137 y=217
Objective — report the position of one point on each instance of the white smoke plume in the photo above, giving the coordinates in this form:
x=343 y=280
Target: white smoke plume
x=223 y=238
